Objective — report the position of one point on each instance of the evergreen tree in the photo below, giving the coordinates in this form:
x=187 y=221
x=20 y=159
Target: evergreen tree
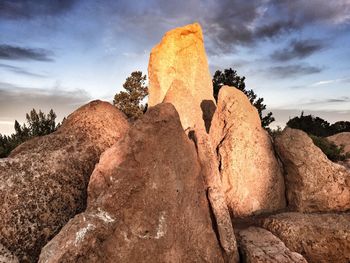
x=130 y=101
x=39 y=124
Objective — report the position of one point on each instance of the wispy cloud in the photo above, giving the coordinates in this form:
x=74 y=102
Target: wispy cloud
x=298 y=49
x=21 y=71
x=9 y=52
x=16 y=101
x=293 y=70
x=330 y=81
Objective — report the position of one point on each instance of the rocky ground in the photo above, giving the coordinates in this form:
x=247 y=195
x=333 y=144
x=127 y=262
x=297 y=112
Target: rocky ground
x=191 y=181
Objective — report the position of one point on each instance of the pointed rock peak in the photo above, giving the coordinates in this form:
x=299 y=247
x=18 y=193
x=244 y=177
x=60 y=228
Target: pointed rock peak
x=179 y=74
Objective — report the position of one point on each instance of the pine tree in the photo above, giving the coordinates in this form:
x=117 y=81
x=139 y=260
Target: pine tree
x=130 y=101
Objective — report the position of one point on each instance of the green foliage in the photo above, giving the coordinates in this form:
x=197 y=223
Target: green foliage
x=317 y=126
x=333 y=152
x=38 y=124
x=230 y=78
x=130 y=101
x=275 y=132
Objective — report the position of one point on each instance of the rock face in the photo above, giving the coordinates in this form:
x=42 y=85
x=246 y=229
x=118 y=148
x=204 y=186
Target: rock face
x=342 y=138
x=320 y=238
x=146 y=203
x=258 y=245
x=216 y=196
x=251 y=175
x=313 y=182
x=6 y=256
x=179 y=74
x=43 y=183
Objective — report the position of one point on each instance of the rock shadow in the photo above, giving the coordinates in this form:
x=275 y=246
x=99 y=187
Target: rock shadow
x=208 y=109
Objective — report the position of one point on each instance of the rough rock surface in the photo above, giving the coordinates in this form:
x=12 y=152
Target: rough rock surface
x=313 y=182
x=179 y=74
x=251 y=175
x=43 y=182
x=342 y=138
x=6 y=256
x=258 y=245
x=320 y=238
x=216 y=196
x=146 y=202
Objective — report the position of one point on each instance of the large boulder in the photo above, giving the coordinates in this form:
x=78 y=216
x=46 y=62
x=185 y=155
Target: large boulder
x=341 y=139
x=179 y=74
x=320 y=238
x=147 y=201
x=43 y=183
x=251 y=176
x=313 y=182
x=258 y=245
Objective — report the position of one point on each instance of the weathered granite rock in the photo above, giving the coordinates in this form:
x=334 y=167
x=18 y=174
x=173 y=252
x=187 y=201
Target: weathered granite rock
x=251 y=175
x=320 y=238
x=146 y=202
x=179 y=74
x=216 y=196
x=6 y=256
x=342 y=138
x=258 y=245
x=313 y=182
x=43 y=183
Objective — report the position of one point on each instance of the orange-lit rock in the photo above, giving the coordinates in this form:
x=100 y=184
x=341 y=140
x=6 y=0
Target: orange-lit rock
x=179 y=74
x=251 y=175
x=313 y=182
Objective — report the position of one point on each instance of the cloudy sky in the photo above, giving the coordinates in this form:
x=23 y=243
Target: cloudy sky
x=62 y=53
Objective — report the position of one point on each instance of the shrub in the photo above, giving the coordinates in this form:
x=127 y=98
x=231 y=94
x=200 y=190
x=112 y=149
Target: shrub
x=334 y=153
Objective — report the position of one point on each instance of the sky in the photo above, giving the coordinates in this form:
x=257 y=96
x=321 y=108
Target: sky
x=61 y=54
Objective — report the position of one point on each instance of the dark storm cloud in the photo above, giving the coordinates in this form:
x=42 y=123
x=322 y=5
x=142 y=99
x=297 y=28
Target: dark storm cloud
x=230 y=23
x=298 y=49
x=21 y=71
x=293 y=70
x=9 y=52
x=19 y=9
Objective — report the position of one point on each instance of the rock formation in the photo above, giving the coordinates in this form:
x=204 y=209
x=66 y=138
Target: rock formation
x=340 y=139
x=313 y=182
x=320 y=238
x=175 y=185
x=216 y=196
x=258 y=245
x=43 y=182
x=146 y=203
x=179 y=74
x=251 y=175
